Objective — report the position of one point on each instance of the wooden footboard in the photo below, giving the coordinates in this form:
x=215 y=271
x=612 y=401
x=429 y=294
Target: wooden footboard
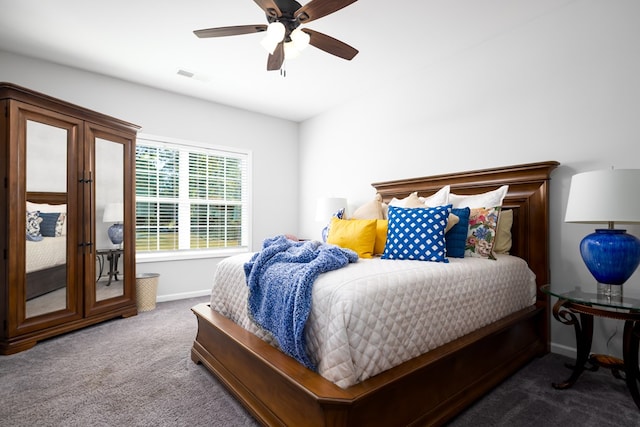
x=44 y=281
x=427 y=390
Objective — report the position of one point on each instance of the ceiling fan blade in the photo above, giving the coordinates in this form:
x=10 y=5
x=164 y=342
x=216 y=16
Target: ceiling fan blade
x=330 y=45
x=270 y=8
x=230 y=31
x=276 y=58
x=318 y=8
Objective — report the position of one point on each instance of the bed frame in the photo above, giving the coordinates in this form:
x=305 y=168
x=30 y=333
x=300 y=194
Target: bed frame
x=49 y=279
x=427 y=390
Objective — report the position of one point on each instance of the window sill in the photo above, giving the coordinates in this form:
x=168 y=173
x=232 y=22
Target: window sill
x=144 y=257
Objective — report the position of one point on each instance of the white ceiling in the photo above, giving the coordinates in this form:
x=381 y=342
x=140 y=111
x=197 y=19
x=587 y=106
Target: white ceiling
x=148 y=41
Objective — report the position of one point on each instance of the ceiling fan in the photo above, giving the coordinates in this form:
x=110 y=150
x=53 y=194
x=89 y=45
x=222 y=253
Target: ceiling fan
x=284 y=38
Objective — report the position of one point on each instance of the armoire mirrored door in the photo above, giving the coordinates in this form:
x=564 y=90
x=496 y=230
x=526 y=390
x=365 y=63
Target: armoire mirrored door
x=50 y=212
x=112 y=242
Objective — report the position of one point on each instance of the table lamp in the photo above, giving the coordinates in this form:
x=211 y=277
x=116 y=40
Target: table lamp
x=113 y=212
x=326 y=207
x=607 y=197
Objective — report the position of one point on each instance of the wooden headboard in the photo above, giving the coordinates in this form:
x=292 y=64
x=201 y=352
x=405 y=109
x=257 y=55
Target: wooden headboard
x=528 y=197
x=52 y=198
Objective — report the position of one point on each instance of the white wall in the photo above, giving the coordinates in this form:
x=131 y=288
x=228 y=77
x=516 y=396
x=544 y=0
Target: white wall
x=273 y=143
x=563 y=87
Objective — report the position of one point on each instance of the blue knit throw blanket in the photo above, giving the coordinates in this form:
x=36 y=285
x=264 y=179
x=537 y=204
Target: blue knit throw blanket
x=280 y=279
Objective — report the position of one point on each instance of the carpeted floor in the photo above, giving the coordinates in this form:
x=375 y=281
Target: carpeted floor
x=138 y=372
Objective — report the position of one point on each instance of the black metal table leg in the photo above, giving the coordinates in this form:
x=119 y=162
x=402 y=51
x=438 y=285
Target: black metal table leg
x=630 y=351
x=584 y=337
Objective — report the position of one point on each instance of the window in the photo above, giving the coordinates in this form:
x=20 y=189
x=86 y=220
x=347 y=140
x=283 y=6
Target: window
x=191 y=199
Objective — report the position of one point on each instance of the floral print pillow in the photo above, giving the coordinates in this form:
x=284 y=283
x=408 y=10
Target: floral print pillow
x=481 y=236
x=33 y=226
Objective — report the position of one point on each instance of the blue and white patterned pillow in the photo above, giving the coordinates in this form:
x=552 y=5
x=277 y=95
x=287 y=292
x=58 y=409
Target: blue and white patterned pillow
x=325 y=231
x=33 y=226
x=417 y=233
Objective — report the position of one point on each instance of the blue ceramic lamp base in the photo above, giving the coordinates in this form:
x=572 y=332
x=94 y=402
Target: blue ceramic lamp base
x=611 y=256
x=115 y=233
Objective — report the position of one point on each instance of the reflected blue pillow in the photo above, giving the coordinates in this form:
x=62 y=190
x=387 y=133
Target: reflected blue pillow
x=48 y=224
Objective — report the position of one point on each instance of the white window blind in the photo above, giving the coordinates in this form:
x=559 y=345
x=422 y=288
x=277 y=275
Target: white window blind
x=190 y=197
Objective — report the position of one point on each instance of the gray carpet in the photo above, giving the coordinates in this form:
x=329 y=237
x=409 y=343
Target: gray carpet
x=138 y=372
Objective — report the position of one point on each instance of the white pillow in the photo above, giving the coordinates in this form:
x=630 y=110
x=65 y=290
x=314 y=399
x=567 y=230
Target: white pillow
x=483 y=200
x=411 y=201
x=440 y=198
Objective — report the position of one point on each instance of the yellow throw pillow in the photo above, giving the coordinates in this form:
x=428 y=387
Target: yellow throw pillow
x=358 y=235
x=381 y=236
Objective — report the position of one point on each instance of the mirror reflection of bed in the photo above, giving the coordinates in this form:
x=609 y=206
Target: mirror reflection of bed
x=45 y=259
x=46 y=253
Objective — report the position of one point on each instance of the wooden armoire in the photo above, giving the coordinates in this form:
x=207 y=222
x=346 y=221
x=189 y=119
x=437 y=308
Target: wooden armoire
x=63 y=167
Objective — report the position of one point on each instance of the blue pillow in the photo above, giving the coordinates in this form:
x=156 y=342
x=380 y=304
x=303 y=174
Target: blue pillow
x=48 y=224
x=456 y=237
x=417 y=233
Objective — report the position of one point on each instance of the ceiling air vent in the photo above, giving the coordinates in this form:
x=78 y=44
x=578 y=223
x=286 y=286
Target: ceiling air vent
x=185 y=73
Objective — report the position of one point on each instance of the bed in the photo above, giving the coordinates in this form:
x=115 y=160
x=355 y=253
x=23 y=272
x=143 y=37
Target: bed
x=46 y=263
x=428 y=389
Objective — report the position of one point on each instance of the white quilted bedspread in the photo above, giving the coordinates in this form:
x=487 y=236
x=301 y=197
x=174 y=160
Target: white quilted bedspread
x=48 y=252
x=375 y=314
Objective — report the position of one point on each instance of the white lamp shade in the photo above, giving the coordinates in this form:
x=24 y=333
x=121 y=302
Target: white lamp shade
x=275 y=31
x=604 y=196
x=300 y=39
x=327 y=206
x=290 y=51
x=269 y=44
x=275 y=34
x=113 y=212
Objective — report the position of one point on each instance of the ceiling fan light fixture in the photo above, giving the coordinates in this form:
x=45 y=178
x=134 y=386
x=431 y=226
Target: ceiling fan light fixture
x=300 y=39
x=275 y=34
x=284 y=18
x=269 y=45
x=291 y=51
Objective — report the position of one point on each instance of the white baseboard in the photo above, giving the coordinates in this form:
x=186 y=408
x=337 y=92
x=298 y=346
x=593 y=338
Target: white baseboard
x=185 y=295
x=563 y=350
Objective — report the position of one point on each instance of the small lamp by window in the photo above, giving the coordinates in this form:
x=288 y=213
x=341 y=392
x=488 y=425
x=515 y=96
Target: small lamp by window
x=607 y=197
x=113 y=212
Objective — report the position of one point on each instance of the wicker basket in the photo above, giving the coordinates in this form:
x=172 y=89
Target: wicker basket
x=146 y=291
